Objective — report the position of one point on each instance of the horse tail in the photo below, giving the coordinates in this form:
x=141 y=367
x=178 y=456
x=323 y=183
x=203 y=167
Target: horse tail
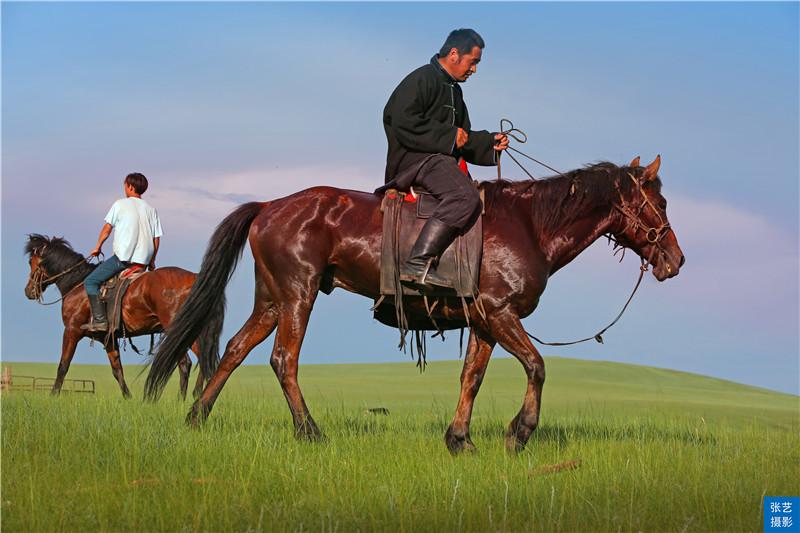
x=208 y=358
x=203 y=312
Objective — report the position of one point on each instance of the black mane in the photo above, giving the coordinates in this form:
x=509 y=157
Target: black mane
x=559 y=200
x=57 y=256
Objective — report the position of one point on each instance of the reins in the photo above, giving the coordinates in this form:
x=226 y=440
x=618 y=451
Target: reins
x=653 y=235
x=521 y=137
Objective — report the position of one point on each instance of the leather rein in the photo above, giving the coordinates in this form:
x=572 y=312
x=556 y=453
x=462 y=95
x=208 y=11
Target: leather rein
x=634 y=220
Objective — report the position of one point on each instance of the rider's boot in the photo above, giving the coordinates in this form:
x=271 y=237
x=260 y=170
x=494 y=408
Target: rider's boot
x=419 y=271
x=99 y=322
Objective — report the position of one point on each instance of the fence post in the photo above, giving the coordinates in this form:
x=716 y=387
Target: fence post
x=5 y=381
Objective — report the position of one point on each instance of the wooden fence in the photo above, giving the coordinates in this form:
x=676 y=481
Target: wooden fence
x=10 y=382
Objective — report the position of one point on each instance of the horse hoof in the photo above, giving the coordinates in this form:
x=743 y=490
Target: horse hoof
x=196 y=416
x=309 y=432
x=462 y=447
x=514 y=445
x=458 y=444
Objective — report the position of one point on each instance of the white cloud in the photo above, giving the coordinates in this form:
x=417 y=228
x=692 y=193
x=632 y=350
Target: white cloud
x=191 y=205
x=738 y=263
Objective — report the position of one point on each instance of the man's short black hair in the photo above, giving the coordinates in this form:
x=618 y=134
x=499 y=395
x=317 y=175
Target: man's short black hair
x=137 y=181
x=463 y=40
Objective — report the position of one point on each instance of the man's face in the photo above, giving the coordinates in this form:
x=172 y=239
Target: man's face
x=463 y=66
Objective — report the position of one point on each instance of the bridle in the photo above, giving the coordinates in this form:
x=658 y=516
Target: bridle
x=653 y=234
x=39 y=279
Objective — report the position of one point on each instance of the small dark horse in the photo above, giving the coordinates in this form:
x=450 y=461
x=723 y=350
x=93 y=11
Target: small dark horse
x=149 y=305
x=323 y=238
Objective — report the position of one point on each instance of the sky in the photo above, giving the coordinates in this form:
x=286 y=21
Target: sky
x=222 y=103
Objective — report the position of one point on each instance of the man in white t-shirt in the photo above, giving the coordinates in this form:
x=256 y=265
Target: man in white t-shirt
x=137 y=234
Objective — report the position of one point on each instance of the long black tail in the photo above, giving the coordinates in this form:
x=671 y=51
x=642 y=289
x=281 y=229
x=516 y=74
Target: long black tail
x=204 y=309
x=208 y=358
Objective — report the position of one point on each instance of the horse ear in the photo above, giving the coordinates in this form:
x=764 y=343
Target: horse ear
x=635 y=162
x=651 y=171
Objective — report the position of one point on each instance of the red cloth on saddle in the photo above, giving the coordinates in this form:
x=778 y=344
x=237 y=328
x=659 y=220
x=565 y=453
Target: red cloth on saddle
x=132 y=270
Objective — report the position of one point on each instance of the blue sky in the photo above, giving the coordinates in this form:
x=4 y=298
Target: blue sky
x=223 y=103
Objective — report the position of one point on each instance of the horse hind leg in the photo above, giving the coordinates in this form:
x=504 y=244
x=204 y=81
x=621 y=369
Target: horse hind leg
x=198 y=385
x=258 y=327
x=292 y=326
x=184 y=368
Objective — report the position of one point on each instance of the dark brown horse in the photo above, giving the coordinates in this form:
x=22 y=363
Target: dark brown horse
x=149 y=305
x=323 y=238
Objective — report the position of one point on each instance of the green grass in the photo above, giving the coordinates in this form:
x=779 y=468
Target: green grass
x=659 y=451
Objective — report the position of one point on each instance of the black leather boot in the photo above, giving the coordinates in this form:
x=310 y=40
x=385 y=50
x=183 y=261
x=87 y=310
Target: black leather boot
x=419 y=270
x=99 y=322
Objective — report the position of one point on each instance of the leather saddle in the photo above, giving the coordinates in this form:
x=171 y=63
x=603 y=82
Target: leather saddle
x=404 y=214
x=112 y=292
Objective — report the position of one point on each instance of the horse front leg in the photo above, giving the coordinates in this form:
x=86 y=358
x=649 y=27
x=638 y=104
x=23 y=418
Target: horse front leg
x=69 y=342
x=479 y=350
x=509 y=332
x=112 y=350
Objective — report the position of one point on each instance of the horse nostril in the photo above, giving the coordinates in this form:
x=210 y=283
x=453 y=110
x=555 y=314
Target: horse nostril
x=683 y=260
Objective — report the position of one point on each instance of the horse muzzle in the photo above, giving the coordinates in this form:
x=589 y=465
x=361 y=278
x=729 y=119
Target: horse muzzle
x=667 y=263
x=29 y=292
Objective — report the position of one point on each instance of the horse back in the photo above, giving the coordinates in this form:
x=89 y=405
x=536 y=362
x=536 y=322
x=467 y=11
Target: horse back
x=331 y=233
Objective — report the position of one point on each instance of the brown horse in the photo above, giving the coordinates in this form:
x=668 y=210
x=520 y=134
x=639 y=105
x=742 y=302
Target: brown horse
x=322 y=238
x=149 y=305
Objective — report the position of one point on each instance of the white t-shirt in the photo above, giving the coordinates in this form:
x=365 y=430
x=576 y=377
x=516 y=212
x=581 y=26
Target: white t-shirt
x=135 y=224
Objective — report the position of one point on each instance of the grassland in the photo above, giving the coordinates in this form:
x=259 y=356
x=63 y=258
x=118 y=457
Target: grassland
x=658 y=450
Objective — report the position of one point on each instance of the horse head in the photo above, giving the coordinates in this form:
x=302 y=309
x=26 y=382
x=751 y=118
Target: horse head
x=47 y=257
x=641 y=219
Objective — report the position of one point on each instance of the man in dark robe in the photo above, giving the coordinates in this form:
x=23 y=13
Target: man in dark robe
x=429 y=132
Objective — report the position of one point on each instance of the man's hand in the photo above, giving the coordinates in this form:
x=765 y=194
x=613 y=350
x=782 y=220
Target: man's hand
x=461 y=138
x=152 y=265
x=500 y=141
x=95 y=252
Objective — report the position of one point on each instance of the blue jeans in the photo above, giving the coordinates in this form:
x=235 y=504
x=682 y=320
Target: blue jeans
x=103 y=272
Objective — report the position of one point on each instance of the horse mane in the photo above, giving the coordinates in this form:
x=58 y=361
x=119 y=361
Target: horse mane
x=58 y=256
x=558 y=201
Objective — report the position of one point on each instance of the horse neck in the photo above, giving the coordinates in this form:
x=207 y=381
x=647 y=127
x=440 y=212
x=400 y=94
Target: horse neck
x=564 y=231
x=69 y=281
x=570 y=241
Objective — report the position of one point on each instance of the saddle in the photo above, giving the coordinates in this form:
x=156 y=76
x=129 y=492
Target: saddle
x=404 y=214
x=112 y=292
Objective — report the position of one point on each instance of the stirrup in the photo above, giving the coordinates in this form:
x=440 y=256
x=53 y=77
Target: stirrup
x=91 y=327
x=423 y=282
